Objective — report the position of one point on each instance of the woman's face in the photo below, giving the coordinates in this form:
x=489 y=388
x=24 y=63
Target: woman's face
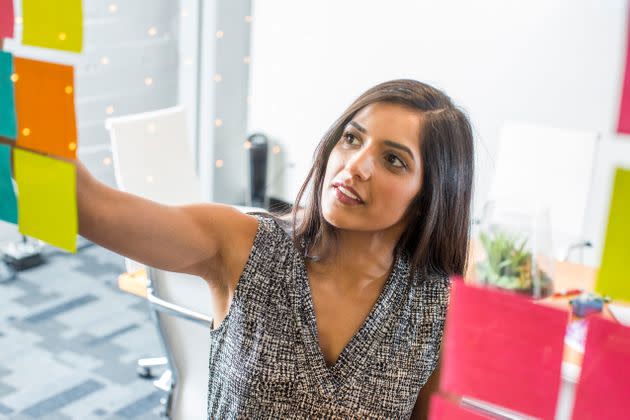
x=378 y=155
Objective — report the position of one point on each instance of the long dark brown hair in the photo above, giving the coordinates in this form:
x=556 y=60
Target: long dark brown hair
x=438 y=227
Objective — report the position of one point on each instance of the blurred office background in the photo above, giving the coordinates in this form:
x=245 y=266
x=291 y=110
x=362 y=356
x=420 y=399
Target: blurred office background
x=69 y=339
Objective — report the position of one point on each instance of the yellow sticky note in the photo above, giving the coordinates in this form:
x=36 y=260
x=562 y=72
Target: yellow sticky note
x=614 y=276
x=53 y=24
x=47 y=199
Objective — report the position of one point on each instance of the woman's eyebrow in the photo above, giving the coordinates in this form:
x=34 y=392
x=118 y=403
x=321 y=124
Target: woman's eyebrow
x=358 y=127
x=399 y=146
x=387 y=142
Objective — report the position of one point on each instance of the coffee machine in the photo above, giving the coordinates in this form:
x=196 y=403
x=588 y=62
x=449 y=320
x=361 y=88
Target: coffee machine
x=258 y=161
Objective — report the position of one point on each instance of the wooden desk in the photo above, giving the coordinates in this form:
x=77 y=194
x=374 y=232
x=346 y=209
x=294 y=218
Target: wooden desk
x=134 y=283
x=573 y=276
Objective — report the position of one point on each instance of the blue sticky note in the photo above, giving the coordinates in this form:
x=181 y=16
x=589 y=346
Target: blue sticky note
x=8 y=125
x=8 y=202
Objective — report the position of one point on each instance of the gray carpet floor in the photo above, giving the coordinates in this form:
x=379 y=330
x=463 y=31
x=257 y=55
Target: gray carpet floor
x=70 y=339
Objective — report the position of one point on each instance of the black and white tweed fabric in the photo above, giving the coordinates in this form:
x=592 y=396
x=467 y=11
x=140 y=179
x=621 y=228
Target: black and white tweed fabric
x=265 y=359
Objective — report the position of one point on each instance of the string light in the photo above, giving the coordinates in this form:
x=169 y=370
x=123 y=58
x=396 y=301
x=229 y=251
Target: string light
x=247 y=144
x=62 y=36
x=247 y=59
x=113 y=8
x=149 y=178
x=218 y=122
x=217 y=77
x=68 y=90
x=104 y=60
x=188 y=61
x=275 y=149
x=15 y=77
x=151 y=127
x=219 y=163
x=152 y=31
x=109 y=110
x=107 y=161
x=148 y=81
x=26 y=132
x=248 y=19
x=184 y=13
x=219 y=34
x=72 y=146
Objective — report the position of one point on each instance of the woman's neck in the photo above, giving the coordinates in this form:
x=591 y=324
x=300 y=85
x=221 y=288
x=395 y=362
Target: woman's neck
x=357 y=264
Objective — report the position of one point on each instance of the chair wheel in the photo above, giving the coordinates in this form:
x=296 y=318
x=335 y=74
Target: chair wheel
x=144 y=372
x=164 y=406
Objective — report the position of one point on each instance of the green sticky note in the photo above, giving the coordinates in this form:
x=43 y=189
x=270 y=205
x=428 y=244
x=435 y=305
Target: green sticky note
x=47 y=199
x=53 y=24
x=8 y=203
x=614 y=277
x=8 y=125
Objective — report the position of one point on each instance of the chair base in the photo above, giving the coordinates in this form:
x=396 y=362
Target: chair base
x=145 y=365
x=165 y=383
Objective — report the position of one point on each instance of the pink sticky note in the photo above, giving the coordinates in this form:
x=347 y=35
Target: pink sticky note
x=442 y=409
x=503 y=349
x=624 y=111
x=6 y=18
x=604 y=388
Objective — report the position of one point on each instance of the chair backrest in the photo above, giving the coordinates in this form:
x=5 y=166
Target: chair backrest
x=151 y=153
x=152 y=160
x=547 y=166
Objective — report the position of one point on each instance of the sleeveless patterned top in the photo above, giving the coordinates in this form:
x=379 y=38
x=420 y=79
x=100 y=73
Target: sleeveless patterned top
x=265 y=359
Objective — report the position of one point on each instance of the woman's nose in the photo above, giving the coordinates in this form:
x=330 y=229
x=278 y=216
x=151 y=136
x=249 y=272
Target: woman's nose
x=361 y=163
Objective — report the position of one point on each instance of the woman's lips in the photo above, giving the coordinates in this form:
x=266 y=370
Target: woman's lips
x=345 y=199
x=349 y=191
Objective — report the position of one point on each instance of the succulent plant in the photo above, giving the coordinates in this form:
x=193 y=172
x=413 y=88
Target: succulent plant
x=508 y=264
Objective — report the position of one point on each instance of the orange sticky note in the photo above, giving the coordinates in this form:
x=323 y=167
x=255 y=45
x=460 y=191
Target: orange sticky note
x=44 y=103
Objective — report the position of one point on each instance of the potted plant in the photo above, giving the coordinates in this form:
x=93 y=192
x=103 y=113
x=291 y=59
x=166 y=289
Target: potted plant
x=509 y=264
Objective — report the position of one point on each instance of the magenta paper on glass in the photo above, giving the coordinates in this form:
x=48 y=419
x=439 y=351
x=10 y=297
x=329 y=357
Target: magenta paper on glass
x=624 y=111
x=604 y=387
x=443 y=409
x=6 y=18
x=503 y=349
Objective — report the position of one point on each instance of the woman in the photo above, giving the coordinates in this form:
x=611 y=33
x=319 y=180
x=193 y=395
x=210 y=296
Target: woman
x=340 y=312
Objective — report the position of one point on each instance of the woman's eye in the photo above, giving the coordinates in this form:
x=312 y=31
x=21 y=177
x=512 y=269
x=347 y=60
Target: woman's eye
x=401 y=165
x=350 y=137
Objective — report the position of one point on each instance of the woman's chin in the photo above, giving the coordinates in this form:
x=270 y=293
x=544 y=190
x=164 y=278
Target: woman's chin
x=340 y=218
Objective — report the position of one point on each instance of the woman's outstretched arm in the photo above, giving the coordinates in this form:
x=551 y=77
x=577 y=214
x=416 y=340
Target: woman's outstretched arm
x=186 y=239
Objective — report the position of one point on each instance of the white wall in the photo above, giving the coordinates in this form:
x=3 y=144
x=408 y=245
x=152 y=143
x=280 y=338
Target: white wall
x=557 y=63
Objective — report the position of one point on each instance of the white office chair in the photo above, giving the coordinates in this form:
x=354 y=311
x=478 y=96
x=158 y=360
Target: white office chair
x=152 y=160
x=552 y=167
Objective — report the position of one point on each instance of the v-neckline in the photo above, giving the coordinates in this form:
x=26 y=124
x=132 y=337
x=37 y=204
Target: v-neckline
x=330 y=376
